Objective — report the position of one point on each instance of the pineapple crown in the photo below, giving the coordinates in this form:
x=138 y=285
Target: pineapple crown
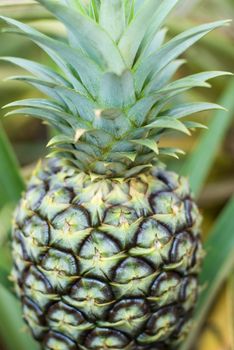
x=111 y=98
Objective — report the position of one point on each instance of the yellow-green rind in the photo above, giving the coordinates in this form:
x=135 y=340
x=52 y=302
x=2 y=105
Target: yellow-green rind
x=106 y=264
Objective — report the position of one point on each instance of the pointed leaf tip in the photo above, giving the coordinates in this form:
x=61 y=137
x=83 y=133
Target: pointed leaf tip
x=167 y=122
x=88 y=36
x=112 y=17
x=79 y=133
x=154 y=63
x=149 y=143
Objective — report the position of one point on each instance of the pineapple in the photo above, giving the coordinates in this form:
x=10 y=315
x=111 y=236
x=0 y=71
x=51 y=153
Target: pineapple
x=106 y=241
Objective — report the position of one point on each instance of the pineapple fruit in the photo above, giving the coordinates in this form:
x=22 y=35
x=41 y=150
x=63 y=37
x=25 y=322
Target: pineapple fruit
x=106 y=241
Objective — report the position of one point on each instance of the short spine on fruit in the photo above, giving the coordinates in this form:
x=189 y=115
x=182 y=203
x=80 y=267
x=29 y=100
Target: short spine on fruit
x=106 y=241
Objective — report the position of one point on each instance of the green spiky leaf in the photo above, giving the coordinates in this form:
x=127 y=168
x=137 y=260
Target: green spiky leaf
x=171 y=152
x=189 y=82
x=88 y=71
x=151 y=11
x=149 y=143
x=89 y=36
x=168 y=123
x=181 y=111
x=112 y=17
x=117 y=91
x=159 y=59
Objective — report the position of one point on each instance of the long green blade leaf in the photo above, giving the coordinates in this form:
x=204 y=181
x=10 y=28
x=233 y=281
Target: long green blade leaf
x=11 y=182
x=112 y=17
x=217 y=266
x=117 y=90
x=12 y=326
x=183 y=110
x=88 y=36
x=151 y=12
x=198 y=165
x=168 y=52
x=88 y=72
x=38 y=69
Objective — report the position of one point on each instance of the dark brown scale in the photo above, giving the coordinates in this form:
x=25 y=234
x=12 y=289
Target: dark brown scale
x=102 y=337
x=51 y=337
x=38 y=314
x=125 y=305
x=89 y=283
x=42 y=190
x=184 y=240
x=164 y=277
x=73 y=207
x=198 y=253
x=188 y=209
x=33 y=271
x=78 y=316
x=166 y=179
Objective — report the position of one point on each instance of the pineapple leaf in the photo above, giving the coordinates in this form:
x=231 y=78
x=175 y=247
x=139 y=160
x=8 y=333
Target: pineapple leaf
x=87 y=70
x=154 y=44
x=89 y=36
x=79 y=105
x=79 y=154
x=60 y=120
x=129 y=10
x=137 y=169
x=117 y=91
x=152 y=11
x=76 y=4
x=171 y=152
x=149 y=143
x=38 y=103
x=164 y=76
x=98 y=94
x=166 y=122
x=60 y=139
x=84 y=106
x=194 y=125
x=143 y=106
x=130 y=155
x=109 y=113
x=94 y=9
x=116 y=127
x=137 y=6
x=42 y=85
x=47 y=73
x=181 y=111
x=37 y=69
x=183 y=84
x=154 y=63
x=138 y=112
x=112 y=17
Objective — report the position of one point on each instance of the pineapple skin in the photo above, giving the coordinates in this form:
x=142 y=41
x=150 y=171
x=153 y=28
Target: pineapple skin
x=106 y=263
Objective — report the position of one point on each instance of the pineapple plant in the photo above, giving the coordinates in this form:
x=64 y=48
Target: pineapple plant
x=106 y=240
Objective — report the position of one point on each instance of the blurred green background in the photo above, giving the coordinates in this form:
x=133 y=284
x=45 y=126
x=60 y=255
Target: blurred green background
x=209 y=163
